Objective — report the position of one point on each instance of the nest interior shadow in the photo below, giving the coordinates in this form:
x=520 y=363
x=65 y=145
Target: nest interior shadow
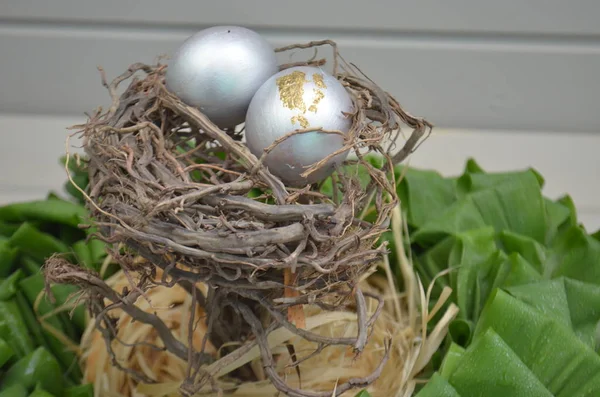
x=168 y=185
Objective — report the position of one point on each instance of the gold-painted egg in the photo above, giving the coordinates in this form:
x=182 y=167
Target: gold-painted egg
x=299 y=98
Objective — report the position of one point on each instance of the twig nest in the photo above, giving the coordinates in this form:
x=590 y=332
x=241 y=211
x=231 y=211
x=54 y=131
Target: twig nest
x=170 y=185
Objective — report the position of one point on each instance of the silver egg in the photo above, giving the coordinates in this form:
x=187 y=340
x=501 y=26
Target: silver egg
x=218 y=70
x=299 y=98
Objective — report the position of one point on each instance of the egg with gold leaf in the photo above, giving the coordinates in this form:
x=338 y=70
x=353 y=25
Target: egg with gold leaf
x=299 y=98
x=218 y=70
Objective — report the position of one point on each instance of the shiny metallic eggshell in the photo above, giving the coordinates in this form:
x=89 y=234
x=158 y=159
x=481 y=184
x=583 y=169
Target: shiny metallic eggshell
x=218 y=70
x=299 y=98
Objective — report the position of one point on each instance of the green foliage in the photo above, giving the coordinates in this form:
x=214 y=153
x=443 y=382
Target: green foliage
x=33 y=360
x=524 y=274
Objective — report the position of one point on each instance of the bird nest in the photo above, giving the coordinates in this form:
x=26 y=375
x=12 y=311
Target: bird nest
x=169 y=185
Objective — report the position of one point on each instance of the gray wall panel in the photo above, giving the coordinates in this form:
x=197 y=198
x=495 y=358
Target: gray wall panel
x=509 y=16
x=475 y=83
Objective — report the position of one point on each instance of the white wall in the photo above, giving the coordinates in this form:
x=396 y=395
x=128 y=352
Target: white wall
x=512 y=83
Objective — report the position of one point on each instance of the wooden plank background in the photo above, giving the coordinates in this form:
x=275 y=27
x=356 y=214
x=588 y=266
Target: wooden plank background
x=509 y=16
x=511 y=83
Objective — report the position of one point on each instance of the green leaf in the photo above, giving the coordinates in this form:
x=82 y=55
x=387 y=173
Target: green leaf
x=7 y=229
x=425 y=195
x=474 y=255
x=576 y=255
x=52 y=211
x=81 y=181
x=490 y=368
x=499 y=232
x=74 y=166
x=574 y=303
x=90 y=253
x=567 y=202
x=460 y=217
x=451 y=360
x=31 y=266
x=37 y=244
x=97 y=251
x=472 y=167
x=557 y=217
x=6 y=352
x=476 y=180
x=86 y=390
x=356 y=171
x=515 y=271
x=34 y=327
x=9 y=286
x=32 y=287
x=510 y=201
x=515 y=204
x=39 y=392
x=14 y=391
x=531 y=250
x=254 y=192
x=68 y=234
x=435 y=260
x=478 y=267
x=80 y=177
x=437 y=386
x=14 y=329
x=83 y=254
x=38 y=367
x=8 y=258
x=363 y=393
x=461 y=331
x=553 y=353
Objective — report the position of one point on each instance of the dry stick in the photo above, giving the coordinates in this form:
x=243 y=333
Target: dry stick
x=108 y=334
x=378 y=309
x=335 y=189
x=188 y=286
x=221 y=258
x=112 y=87
x=317 y=63
x=296 y=363
x=280 y=384
x=183 y=279
x=319 y=164
x=410 y=145
x=290 y=134
x=235 y=243
x=237 y=185
x=313 y=44
x=190 y=357
x=212 y=166
x=392 y=287
x=281 y=320
x=405 y=266
x=295 y=313
x=269 y=213
x=202 y=122
x=171 y=343
x=361 y=313
x=287 y=136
